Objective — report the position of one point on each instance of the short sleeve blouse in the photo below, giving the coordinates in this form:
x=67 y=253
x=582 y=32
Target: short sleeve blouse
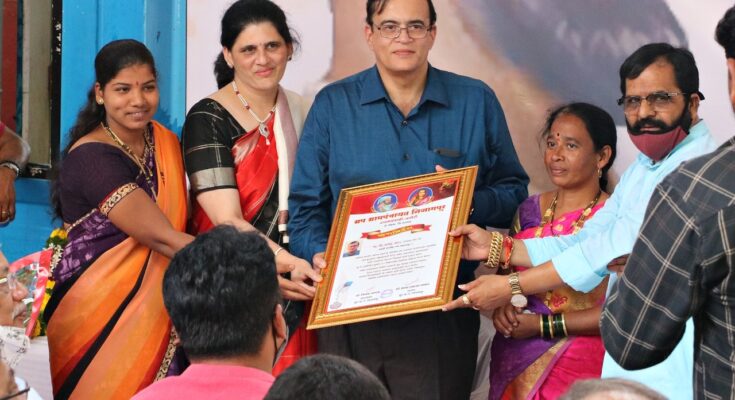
x=89 y=175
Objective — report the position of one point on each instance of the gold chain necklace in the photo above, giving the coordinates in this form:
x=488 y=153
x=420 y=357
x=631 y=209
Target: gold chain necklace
x=548 y=218
x=576 y=226
x=147 y=172
x=262 y=127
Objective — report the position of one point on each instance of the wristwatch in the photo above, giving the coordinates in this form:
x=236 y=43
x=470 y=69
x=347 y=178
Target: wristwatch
x=517 y=299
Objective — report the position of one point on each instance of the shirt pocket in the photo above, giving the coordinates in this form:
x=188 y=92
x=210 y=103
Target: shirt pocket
x=448 y=158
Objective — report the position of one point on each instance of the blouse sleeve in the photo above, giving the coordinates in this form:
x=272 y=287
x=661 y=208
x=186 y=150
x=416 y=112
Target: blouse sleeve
x=207 y=146
x=95 y=175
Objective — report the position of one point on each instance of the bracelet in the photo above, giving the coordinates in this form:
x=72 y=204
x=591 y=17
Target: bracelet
x=496 y=247
x=508 y=247
x=546 y=327
x=558 y=324
x=12 y=166
x=564 y=325
x=275 y=253
x=541 y=325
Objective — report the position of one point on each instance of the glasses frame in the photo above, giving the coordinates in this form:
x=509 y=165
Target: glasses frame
x=400 y=29
x=650 y=99
x=12 y=281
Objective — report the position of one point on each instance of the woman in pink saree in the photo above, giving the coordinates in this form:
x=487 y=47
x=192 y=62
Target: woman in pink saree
x=531 y=358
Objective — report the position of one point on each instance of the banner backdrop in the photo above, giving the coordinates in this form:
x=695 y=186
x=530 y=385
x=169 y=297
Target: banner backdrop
x=535 y=54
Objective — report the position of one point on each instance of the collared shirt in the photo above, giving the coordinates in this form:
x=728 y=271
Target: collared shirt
x=581 y=260
x=211 y=381
x=355 y=135
x=682 y=265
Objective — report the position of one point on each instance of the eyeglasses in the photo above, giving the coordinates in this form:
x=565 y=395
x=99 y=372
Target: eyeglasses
x=415 y=30
x=10 y=282
x=659 y=101
x=20 y=394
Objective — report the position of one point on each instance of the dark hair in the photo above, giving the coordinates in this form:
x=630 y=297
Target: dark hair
x=599 y=125
x=685 y=68
x=327 y=377
x=110 y=60
x=221 y=292
x=725 y=32
x=241 y=14
x=583 y=389
x=376 y=7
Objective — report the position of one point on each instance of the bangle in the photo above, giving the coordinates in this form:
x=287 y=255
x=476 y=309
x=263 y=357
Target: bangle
x=275 y=253
x=546 y=329
x=541 y=325
x=559 y=325
x=12 y=166
x=496 y=247
x=508 y=247
x=564 y=325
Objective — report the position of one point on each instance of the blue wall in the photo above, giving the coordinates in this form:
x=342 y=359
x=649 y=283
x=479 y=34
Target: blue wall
x=86 y=26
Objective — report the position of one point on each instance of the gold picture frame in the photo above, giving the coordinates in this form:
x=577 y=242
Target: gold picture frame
x=408 y=265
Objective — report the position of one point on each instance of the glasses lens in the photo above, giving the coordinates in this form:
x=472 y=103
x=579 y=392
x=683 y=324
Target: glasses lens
x=417 y=31
x=389 y=31
x=630 y=103
x=660 y=101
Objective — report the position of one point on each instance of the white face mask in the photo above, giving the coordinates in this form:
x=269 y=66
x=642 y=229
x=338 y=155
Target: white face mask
x=13 y=344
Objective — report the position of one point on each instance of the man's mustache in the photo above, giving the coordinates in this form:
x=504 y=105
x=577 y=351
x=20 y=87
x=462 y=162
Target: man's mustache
x=648 y=122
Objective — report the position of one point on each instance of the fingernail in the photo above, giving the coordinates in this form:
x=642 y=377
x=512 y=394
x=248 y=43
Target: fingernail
x=463 y=286
x=444 y=309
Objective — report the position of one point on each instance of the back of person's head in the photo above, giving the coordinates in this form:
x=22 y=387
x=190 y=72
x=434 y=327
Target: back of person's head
x=239 y=16
x=374 y=7
x=599 y=124
x=610 y=389
x=327 y=377
x=725 y=33
x=221 y=292
x=681 y=59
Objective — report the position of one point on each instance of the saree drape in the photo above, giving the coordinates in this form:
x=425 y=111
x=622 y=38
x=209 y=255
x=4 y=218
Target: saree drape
x=108 y=330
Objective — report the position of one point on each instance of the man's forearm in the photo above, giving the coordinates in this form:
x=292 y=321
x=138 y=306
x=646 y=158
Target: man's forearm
x=13 y=148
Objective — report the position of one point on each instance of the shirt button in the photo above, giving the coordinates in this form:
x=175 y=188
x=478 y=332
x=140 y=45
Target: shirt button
x=406 y=157
x=404 y=123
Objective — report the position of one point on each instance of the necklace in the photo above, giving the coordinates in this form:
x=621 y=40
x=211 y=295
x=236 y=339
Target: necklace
x=262 y=127
x=576 y=226
x=548 y=217
x=147 y=172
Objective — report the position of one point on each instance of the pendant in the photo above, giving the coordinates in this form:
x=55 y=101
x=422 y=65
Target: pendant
x=263 y=129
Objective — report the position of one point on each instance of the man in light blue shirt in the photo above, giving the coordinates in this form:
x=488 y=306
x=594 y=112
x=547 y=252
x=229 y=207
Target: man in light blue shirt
x=660 y=86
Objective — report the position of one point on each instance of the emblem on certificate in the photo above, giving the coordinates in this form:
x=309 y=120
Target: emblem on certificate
x=389 y=253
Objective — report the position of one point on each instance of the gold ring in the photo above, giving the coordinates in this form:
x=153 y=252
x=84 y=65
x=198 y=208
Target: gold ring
x=466 y=300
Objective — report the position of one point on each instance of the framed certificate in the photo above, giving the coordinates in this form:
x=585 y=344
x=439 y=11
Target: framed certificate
x=389 y=253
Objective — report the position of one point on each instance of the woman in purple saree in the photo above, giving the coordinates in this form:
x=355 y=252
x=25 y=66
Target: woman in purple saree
x=531 y=358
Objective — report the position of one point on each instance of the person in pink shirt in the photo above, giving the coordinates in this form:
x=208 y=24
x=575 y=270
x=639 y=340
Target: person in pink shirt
x=221 y=292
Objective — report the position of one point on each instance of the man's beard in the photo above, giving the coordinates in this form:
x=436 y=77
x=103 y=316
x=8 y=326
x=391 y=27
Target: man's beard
x=685 y=122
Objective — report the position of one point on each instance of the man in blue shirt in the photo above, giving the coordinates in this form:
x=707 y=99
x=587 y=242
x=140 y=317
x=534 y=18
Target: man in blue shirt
x=660 y=87
x=398 y=119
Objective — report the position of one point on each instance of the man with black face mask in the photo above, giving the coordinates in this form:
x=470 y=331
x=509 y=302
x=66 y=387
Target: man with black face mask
x=660 y=88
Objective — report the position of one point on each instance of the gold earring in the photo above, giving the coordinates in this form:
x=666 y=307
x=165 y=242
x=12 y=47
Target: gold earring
x=599 y=173
x=100 y=101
